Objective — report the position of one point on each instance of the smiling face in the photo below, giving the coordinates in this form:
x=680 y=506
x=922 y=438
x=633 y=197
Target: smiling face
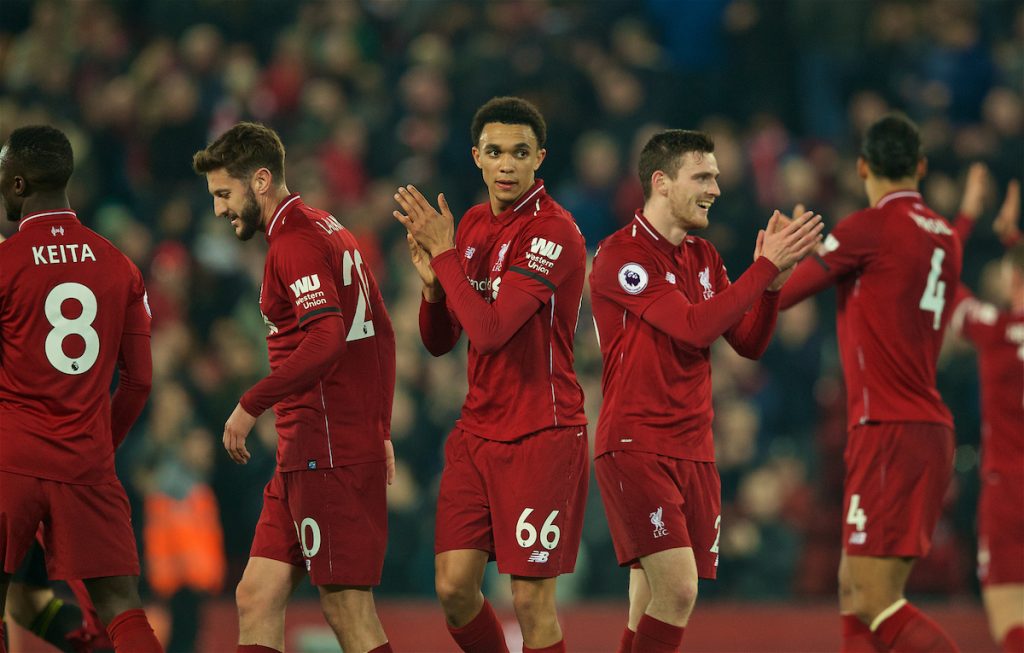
x=693 y=191
x=235 y=200
x=508 y=156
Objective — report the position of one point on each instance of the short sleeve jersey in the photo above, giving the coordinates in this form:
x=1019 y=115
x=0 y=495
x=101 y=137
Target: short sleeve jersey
x=529 y=384
x=656 y=390
x=67 y=296
x=896 y=267
x=999 y=338
x=314 y=269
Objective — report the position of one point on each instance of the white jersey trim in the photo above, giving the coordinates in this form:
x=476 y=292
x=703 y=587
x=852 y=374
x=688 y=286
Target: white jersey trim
x=277 y=215
x=897 y=195
x=48 y=214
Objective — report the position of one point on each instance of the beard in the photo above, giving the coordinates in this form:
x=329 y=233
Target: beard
x=249 y=218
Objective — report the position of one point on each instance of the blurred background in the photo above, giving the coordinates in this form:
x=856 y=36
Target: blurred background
x=371 y=94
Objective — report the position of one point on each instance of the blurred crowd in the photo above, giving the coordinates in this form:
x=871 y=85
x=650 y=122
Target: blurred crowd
x=371 y=94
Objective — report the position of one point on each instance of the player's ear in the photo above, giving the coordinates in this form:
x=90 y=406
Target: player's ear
x=540 y=158
x=476 y=157
x=862 y=168
x=20 y=186
x=659 y=182
x=922 y=168
x=261 y=181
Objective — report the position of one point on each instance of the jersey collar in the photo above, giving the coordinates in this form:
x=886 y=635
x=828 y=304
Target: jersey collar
x=898 y=195
x=528 y=201
x=643 y=229
x=279 y=213
x=46 y=216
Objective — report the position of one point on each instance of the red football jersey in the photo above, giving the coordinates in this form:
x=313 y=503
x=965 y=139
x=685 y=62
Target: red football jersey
x=999 y=338
x=896 y=268
x=313 y=269
x=656 y=389
x=67 y=295
x=529 y=384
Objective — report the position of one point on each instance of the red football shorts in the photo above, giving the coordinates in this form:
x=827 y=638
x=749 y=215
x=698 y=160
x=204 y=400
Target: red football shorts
x=656 y=503
x=1001 y=529
x=87 y=528
x=332 y=521
x=897 y=474
x=521 y=502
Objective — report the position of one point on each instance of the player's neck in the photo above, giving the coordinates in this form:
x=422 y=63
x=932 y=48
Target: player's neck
x=45 y=202
x=270 y=203
x=660 y=216
x=878 y=187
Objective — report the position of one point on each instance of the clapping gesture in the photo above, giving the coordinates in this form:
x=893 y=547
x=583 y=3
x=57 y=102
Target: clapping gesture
x=1007 y=222
x=433 y=230
x=785 y=242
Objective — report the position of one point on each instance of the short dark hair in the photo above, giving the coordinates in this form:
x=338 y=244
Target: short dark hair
x=510 y=111
x=242 y=150
x=665 y=150
x=43 y=154
x=892 y=147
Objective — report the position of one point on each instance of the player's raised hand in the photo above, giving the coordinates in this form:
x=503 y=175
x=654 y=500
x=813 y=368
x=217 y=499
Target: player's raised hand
x=432 y=290
x=974 y=191
x=236 y=430
x=1007 y=222
x=433 y=230
x=785 y=246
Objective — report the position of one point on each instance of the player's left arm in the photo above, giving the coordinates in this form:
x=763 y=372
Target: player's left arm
x=134 y=364
x=844 y=251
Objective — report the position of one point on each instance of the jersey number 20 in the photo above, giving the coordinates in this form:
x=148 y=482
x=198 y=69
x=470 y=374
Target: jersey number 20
x=362 y=327
x=64 y=326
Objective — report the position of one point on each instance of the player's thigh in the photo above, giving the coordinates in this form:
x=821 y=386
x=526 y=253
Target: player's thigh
x=348 y=606
x=340 y=518
x=463 y=519
x=459 y=572
x=537 y=488
x=88 y=533
x=896 y=477
x=877 y=579
x=112 y=595
x=1004 y=605
x=1001 y=529
x=656 y=503
x=23 y=505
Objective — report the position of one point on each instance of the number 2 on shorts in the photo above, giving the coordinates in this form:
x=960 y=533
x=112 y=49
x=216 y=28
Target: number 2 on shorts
x=549 y=533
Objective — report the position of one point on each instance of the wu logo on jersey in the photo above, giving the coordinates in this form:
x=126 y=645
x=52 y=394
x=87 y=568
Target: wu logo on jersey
x=546 y=248
x=658 y=523
x=704 y=276
x=305 y=284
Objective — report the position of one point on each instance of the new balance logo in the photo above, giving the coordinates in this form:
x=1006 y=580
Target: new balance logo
x=859 y=537
x=658 y=523
x=546 y=248
x=305 y=285
x=57 y=230
x=539 y=556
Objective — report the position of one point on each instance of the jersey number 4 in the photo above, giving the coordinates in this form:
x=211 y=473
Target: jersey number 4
x=934 y=298
x=362 y=326
x=63 y=327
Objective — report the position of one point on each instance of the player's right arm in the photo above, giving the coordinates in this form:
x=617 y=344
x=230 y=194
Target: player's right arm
x=439 y=329
x=134 y=364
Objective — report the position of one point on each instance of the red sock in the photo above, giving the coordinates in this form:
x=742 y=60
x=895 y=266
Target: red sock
x=626 y=644
x=656 y=636
x=383 y=648
x=557 y=647
x=857 y=637
x=1014 y=640
x=130 y=631
x=482 y=634
x=256 y=648
x=908 y=630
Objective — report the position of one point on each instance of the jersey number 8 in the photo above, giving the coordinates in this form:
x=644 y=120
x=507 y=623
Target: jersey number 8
x=64 y=326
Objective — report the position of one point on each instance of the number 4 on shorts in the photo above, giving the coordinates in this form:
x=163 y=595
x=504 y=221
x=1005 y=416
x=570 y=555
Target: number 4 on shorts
x=855 y=515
